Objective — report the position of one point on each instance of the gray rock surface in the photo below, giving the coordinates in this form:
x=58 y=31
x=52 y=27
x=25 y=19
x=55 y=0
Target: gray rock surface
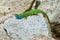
x=24 y=29
x=58 y=18
x=3 y=35
x=51 y=7
x=11 y=7
x=41 y=37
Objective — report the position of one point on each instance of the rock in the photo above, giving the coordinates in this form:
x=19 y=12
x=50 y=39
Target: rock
x=14 y=26
x=51 y=7
x=3 y=35
x=41 y=37
x=11 y=7
x=2 y=19
x=14 y=6
x=24 y=29
x=58 y=18
x=3 y=10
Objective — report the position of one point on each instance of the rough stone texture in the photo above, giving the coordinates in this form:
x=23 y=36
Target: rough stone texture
x=58 y=18
x=2 y=19
x=3 y=10
x=51 y=7
x=11 y=6
x=3 y=35
x=41 y=37
x=24 y=29
x=14 y=6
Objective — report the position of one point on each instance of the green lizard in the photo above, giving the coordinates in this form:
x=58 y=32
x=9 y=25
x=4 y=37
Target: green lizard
x=32 y=12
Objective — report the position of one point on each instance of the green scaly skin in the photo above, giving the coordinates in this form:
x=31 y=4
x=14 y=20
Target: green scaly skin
x=34 y=12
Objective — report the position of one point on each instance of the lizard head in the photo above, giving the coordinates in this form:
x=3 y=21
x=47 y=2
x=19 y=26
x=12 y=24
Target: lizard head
x=19 y=16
